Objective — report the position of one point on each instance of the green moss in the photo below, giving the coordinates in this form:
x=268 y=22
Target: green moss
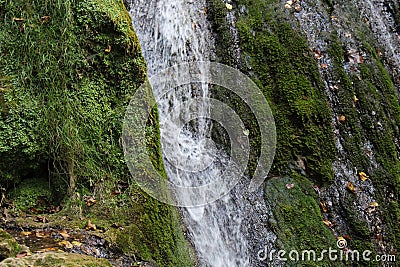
x=299 y=223
x=67 y=72
x=375 y=117
x=279 y=61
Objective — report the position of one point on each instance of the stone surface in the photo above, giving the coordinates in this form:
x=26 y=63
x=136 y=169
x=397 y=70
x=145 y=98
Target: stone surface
x=55 y=259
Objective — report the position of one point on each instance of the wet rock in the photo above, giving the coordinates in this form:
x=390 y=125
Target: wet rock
x=8 y=245
x=55 y=259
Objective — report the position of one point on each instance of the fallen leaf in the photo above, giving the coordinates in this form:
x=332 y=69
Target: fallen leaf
x=41 y=219
x=90 y=226
x=228 y=6
x=22 y=254
x=41 y=234
x=323 y=207
x=76 y=243
x=91 y=201
x=324 y=66
x=289 y=186
x=363 y=176
x=287 y=6
x=355 y=99
x=26 y=233
x=108 y=49
x=351 y=187
x=327 y=223
x=64 y=234
x=45 y=19
x=246 y=132
x=18 y=19
x=297 y=8
x=318 y=54
x=374 y=204
x=66 y=244
x=342 y=118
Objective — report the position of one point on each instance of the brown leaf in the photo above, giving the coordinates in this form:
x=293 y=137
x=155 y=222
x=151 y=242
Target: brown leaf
x=66 y=244
x=91 y=201
x=22 y=254
x=64 y=234
x=327 y=223
x=342 y=119
x=351 y=187
x=323 y=207
x=26 y=233
x=90 y=226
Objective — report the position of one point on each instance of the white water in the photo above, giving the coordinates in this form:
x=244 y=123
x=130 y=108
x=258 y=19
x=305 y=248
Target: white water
x=228 y=232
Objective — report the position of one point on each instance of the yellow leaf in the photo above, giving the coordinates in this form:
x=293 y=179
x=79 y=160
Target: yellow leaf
x=66 y=244
x=363 y=176
x=76 y=243
x=26 y=233
x=108 y=49
x=355 y=99
x=374 y=204
x=351 y=187
x=342 y=118
x=228 y=6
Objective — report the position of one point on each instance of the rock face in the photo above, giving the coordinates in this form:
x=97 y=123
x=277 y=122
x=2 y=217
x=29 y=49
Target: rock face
x=53 y=259
x=8 y=245
x=330 y=70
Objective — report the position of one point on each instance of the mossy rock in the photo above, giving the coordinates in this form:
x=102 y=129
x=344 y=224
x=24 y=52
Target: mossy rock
x=56 y=260
x=298 y=220
x=8 y=245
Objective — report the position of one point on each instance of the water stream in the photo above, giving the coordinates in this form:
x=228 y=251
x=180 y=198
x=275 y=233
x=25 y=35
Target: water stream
x=230 y=231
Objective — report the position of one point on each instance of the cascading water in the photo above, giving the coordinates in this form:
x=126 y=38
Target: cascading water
x=230 y=231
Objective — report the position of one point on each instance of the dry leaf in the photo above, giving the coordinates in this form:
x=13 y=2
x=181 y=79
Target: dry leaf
x=327 y=223
x=355 y=99
x=323 y=207
x=373 y=204
x=22 y=254
x=18 y=19
x=90 y=226
x=363 y=176
x=342 y=118
x=64 y=234
x=76 y=243
x=108 y=49
x=351 y=187
x=228 y=6
x=324 y=66
x=66 y=244
x=91 y=201
x=289 y=186
x=26 y=233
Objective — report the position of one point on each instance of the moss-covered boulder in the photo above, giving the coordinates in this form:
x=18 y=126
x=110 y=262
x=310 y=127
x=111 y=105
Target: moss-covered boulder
x=68 y=70
x=51 y=259
x=8 y=245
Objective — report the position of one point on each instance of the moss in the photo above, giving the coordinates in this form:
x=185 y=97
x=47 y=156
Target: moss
x=299 y=224
x=279 y=61
x=68 y=70
x=375 y=117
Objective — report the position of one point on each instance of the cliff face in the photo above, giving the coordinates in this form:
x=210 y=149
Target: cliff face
x=330 y=70
x=67 y=72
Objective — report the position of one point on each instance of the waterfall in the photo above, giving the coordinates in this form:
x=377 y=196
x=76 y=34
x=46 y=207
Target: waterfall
x=230 y=231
